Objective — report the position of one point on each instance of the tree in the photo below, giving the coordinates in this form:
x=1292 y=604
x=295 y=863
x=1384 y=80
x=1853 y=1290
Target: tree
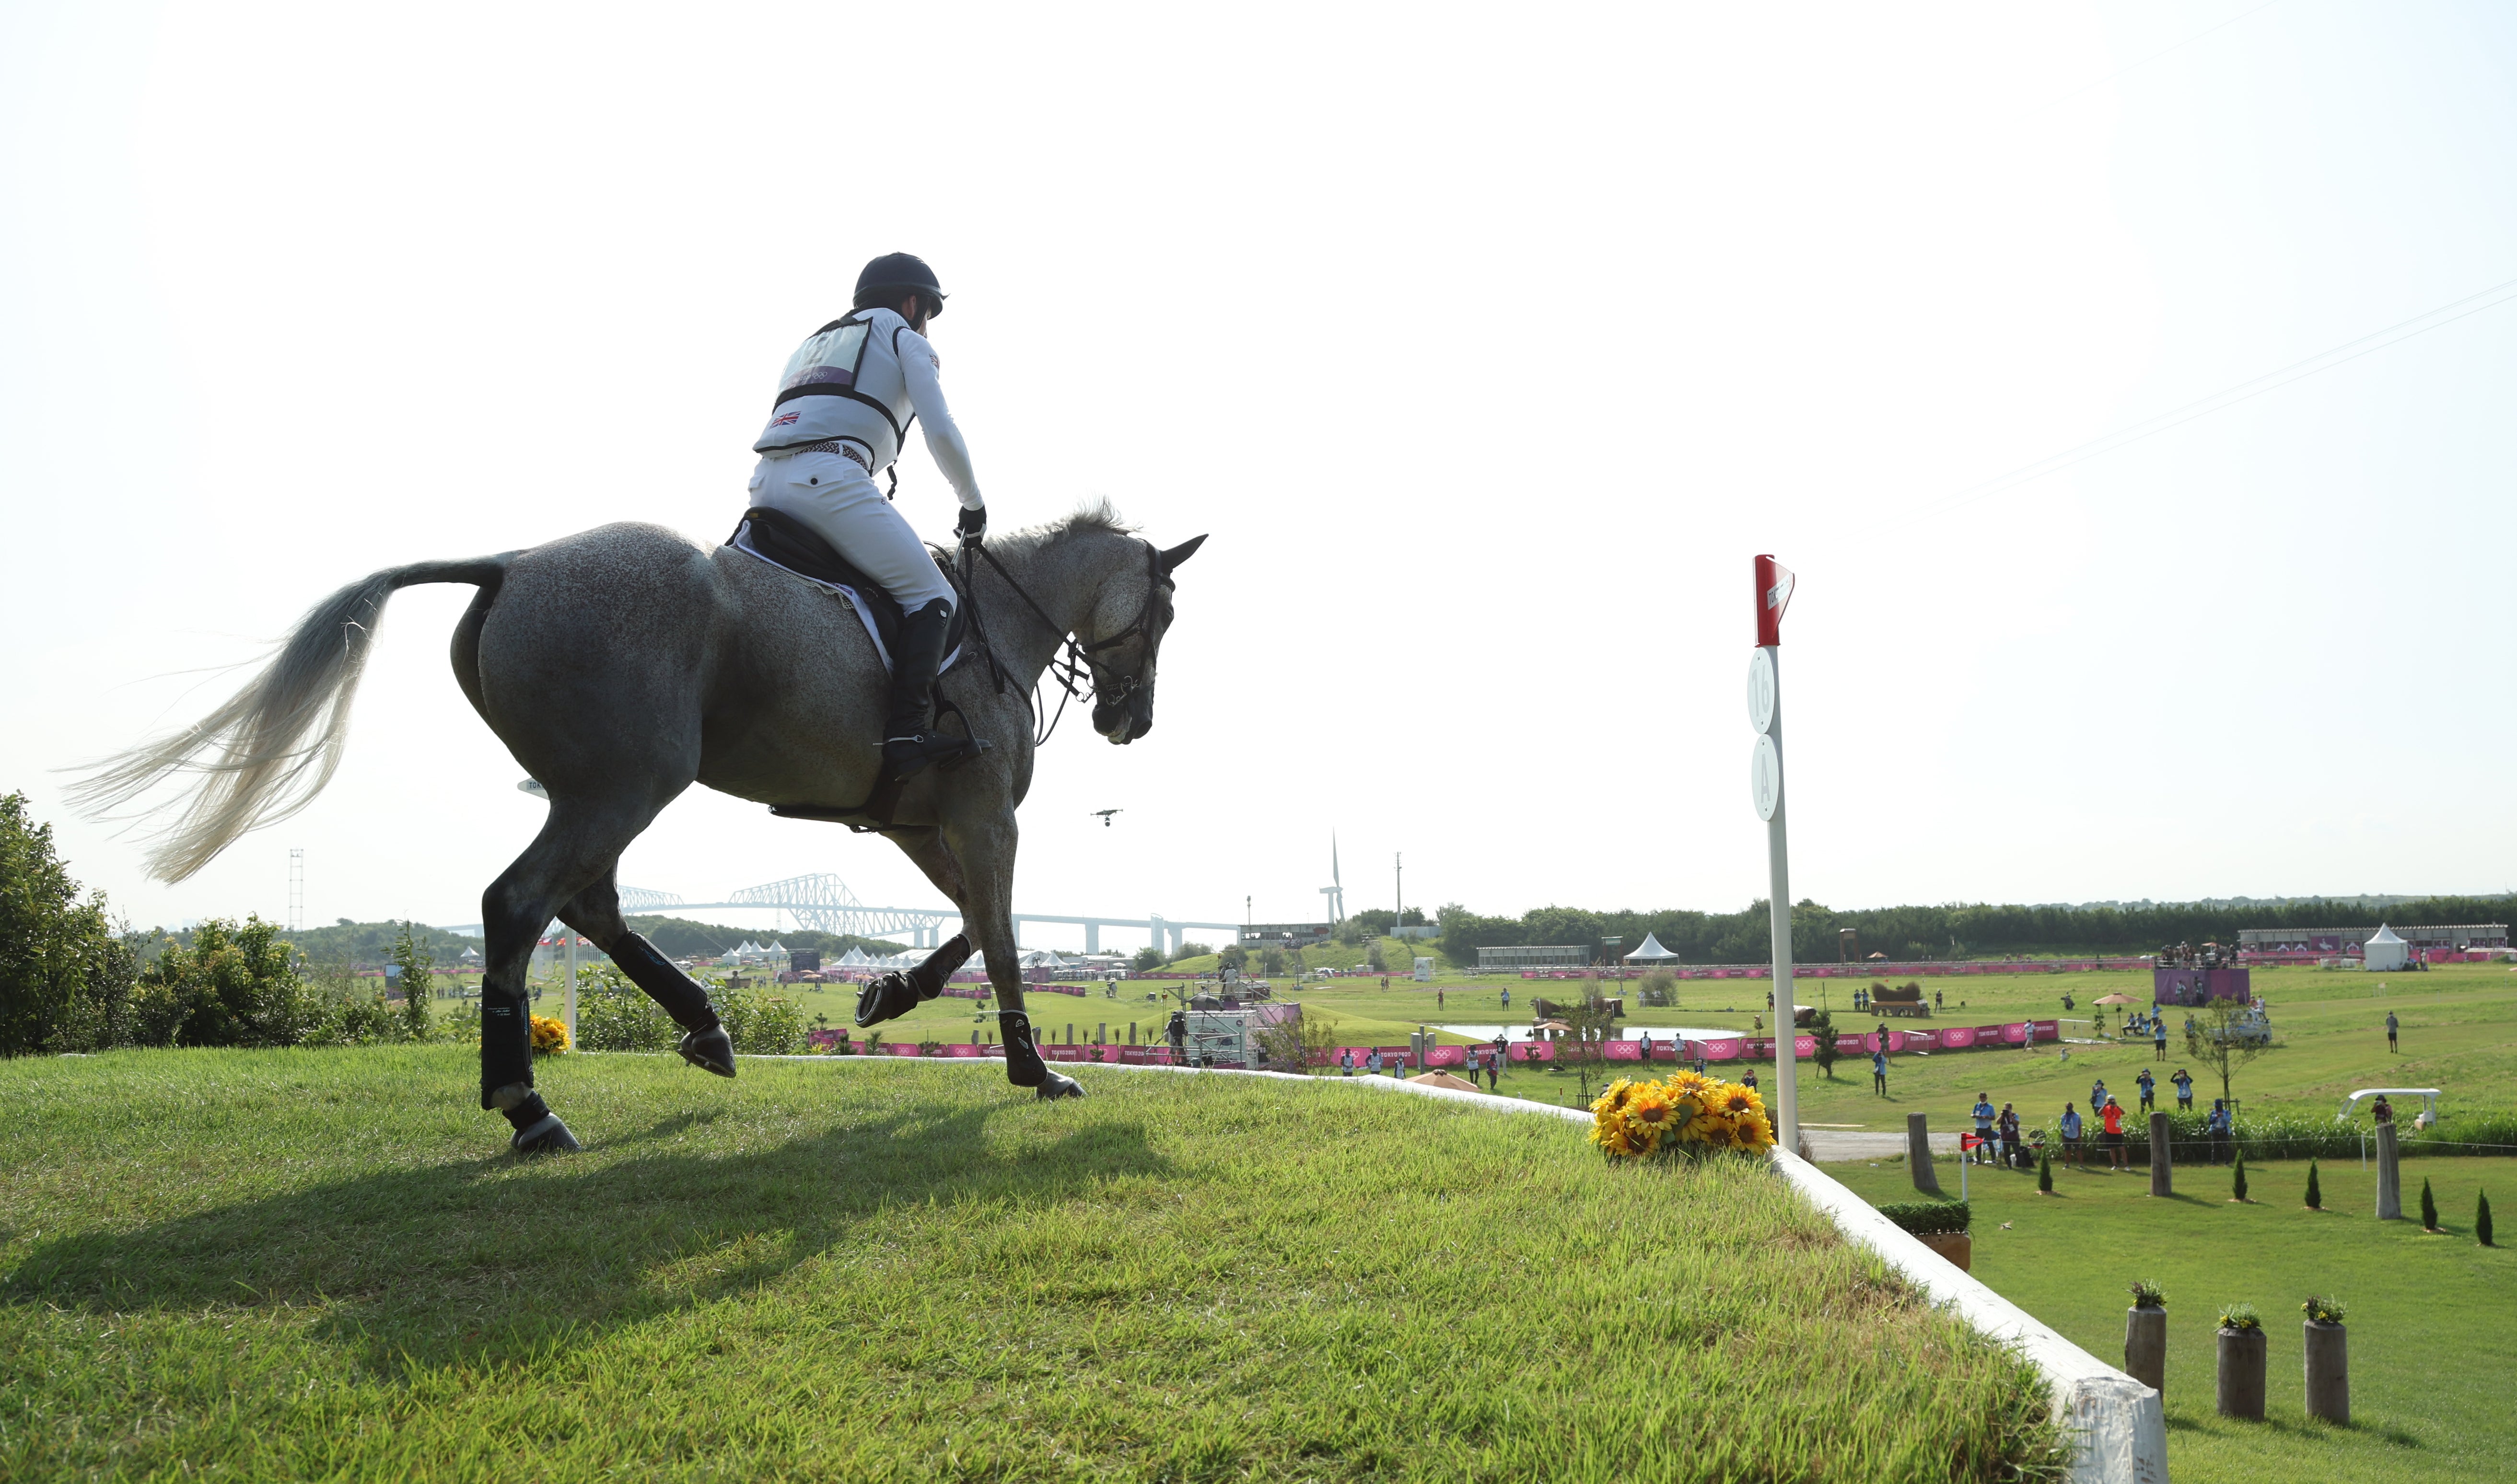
x=1374 y=959
x=2429 y=1206
x=1233 y=956
x=2314 y=1195
x=1822 y=1026
x=1271 y=961
x=1147 y=960
x=2045 y=1170
x=2482 y=1218
x=2238 y=1184
x=65 y=976
x=413 y=955
x=2215 y=1044
x=1590 y=1025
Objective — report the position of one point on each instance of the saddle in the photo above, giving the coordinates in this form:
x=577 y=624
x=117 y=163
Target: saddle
x=785 y=542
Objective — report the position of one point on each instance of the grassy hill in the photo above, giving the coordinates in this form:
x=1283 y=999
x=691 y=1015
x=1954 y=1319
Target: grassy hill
x=285 y=1265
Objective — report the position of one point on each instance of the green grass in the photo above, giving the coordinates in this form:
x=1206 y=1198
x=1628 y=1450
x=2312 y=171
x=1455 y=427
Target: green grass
x=2433 y=1351
x=300 y=1265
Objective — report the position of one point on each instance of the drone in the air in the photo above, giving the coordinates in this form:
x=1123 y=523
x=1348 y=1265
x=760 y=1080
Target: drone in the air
x=1103 y=815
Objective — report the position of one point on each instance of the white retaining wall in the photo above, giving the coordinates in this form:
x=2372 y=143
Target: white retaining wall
x=2120 y=1422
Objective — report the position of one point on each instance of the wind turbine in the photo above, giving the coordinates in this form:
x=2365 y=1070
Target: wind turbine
x=1335 y=893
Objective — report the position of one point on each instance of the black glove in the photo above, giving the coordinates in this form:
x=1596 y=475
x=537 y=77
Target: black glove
x=973 y=526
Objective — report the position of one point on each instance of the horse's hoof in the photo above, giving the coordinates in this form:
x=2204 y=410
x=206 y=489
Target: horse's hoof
x=710 y=1050
x=886 y=998
x=1060 y=1086
x=548 y=1136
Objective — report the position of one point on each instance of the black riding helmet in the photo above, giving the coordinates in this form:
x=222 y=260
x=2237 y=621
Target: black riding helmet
x=895 y=274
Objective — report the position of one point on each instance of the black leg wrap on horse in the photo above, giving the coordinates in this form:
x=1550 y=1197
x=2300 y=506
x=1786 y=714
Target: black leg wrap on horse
x=664 y=984
x=1024 y=1066
x=896 y=994
x=506 y=1041
x=527 y=1112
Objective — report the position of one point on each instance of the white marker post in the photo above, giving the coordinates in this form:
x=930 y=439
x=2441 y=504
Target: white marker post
x=570 y=1009
x=1766 y=784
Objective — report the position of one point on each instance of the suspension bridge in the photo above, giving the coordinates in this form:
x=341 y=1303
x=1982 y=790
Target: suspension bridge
x=822 y=903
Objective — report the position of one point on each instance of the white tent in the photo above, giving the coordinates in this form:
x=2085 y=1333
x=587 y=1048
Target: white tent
x=1650 y=952
x=2384 y=951
x=854 y=958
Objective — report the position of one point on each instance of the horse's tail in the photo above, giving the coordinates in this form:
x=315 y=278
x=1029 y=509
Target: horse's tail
x=265 y=754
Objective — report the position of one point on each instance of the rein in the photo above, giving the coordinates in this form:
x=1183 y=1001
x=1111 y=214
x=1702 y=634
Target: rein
x=1071 y=668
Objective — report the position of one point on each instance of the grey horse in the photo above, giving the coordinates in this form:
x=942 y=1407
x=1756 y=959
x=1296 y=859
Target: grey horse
x=623 y=665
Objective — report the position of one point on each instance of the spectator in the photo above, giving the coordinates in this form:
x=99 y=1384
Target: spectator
x=1346 y=1059
x=1879 y=1071
x=2183 y=1082
x=2220 y=1127
x=2098 y=1096
x=2390 y=1030
x=2383 y=1111
x=1983 y=1116
x=2111 y=1116
x=2070 y=1136
x=2157 y=1039
x=2010 y=1150
x=1939 y=1002
x=1507 y=1000
x=1748 y=1079
x=2148 y=1085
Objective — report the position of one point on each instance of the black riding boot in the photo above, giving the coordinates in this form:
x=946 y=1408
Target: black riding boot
x=909 y=741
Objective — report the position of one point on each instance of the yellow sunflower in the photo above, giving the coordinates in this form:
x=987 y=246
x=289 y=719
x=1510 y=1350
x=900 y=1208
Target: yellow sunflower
x=1652 y=1117
x=550 y=1035
x=1682 y=1083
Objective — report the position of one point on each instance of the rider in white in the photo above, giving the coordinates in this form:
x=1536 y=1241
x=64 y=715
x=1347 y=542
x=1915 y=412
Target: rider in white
x=845 y=406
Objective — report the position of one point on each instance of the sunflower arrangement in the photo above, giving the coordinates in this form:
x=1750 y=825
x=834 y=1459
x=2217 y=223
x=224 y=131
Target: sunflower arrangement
x=1683 y=1114
x=550 y=1035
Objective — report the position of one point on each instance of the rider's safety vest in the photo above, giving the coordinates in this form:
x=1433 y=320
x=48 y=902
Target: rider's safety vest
x=844 y=381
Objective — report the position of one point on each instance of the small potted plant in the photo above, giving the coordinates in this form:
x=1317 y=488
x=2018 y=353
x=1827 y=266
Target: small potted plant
x=2328 y=1361
x=2242 y=1347
x=2146 y=1335
x=1941 y=1225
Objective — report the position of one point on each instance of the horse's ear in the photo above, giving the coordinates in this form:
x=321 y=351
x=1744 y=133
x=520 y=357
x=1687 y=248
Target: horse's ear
x=1181 y=553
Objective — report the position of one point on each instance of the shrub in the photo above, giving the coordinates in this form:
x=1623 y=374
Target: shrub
x=2315 y=1194
x=2239 y=1316
x=2429 y=1206
x=2321 y=1310
x=1823 y=1051
x=412 y=957
x=65 y=977
x=2045 y=1171
x=2148 y=1295
x=2482 y=1217
x=1928 y=1218
x=234 y=987
x=759 y=1024
x=1659 y=988
x=355 y=1012
x=615 y=1015
x=2238 y=1184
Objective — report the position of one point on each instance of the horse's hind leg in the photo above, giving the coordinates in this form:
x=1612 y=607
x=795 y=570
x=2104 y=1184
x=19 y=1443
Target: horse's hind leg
x=595 y=911
x=578 y=846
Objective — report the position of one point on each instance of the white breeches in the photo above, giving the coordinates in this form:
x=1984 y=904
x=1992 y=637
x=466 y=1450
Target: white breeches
x=843 y=506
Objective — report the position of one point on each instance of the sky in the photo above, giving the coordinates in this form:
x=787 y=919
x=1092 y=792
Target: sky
x=1488 y=344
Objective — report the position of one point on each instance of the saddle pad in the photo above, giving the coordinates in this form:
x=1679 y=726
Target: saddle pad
x=799 y=553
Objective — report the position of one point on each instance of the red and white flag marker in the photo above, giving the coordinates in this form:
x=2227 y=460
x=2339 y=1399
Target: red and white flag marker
x=1765 y=787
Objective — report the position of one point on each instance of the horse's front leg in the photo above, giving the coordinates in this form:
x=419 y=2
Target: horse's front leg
x=983 y=848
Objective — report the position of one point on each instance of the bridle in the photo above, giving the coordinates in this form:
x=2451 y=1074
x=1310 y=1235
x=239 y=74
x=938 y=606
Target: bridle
x=1073 y=667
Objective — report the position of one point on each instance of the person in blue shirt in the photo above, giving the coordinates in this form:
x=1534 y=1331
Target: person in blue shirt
x=2221 y=1128
x=2097 y=1093
x=1983 y=1116
x=2148 y=1087
x=1879 y=1072
x=2158 y=1039
x=2183 y=1082
x=2071 y=1125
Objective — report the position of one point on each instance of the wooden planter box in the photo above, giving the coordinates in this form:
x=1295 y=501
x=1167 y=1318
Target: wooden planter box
x=1957 y=1247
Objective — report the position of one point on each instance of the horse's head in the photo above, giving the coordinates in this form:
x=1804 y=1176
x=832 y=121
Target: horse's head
x=1129 y=618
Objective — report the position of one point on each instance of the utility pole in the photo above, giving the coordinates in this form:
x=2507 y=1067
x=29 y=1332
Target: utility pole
x=1774 y=583
x=297 y=890
x=1397 y=890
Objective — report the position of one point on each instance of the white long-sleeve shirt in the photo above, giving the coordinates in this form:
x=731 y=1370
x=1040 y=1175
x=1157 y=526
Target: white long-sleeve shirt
x=922 y=369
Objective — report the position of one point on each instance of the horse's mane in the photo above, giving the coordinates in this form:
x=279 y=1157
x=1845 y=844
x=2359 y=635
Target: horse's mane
x=1095 y=517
